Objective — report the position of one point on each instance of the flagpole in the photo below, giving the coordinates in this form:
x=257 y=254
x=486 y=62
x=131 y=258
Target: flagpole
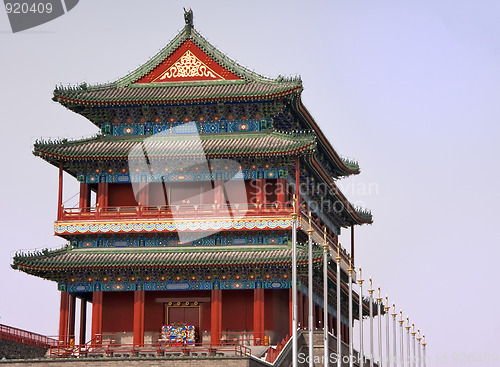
x=294 y=284
x=413 y=361
x=394 y=344
x=387 y=316
x=310 y=292
x=325 y=301
x=401 y=336
x=370 y=291
x=351 y=351
x=418 y=354
x=408 y=359
x=379 y=314
x=423 y=345
x=339 y=342
x=360 y=282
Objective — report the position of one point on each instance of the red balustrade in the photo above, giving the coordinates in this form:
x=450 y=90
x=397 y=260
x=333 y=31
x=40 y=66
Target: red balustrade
x=25 y=337
x=176 y=211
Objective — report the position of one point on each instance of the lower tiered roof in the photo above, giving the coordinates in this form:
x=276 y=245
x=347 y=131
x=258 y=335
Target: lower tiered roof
x=260 y=144
x=48 y=263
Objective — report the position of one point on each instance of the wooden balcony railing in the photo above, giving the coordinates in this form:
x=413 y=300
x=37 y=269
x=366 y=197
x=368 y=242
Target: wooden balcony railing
x=176 y=211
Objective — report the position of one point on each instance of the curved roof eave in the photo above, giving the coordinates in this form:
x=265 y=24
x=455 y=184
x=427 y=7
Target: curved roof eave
x=299 y=107
x=351 y=211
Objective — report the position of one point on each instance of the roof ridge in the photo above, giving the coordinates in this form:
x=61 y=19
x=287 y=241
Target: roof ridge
x=186 y=33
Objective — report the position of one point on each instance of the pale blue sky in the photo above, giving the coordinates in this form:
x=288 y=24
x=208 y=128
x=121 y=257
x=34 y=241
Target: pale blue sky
x=409 y=89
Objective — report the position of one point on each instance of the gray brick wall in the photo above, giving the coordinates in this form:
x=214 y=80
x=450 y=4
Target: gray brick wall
x=13 y=350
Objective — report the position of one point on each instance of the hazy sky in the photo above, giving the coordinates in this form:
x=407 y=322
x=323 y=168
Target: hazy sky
x=409 y=89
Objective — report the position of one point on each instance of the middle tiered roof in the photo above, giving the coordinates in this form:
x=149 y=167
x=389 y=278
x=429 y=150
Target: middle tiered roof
x=261 y=144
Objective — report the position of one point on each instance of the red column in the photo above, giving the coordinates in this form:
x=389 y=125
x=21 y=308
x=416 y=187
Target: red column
x=97 y=315
x=280 y=194
x=63 y=318
x=102 y=194
x=71 y=319
x=297 y=183
x=258 y=316
x=216 y=316
x=139 y=317
x=60 y=195
x=83 y=320
x=84 y=195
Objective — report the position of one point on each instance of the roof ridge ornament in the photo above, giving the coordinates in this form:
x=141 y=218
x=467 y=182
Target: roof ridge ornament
x=188 y=18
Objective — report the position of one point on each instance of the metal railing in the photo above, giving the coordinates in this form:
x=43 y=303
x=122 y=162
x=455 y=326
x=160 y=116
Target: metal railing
x=25 y=337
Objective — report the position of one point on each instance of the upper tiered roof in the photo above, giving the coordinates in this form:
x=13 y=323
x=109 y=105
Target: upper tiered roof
x=187 y=70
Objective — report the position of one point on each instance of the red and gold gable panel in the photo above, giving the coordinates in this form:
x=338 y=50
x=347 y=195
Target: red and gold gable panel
x=187 y=63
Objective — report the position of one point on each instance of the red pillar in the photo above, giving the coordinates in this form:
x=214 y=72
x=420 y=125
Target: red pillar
x=258 y=316
x=83 y=320
x=71 y=319
x=60 y=195
x=139 y=317
x=97 y=315
x=84 y=195
x=102 y=194
x=280 y=192
x=216 y=316
x=63 y=318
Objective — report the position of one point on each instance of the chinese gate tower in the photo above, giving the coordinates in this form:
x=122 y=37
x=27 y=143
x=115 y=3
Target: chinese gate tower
x=185 y=203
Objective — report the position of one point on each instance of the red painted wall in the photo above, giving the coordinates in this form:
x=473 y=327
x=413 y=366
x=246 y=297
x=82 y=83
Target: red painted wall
x=237 y=310
x=117 y=312
x=154 y=312
x=121 y=194
x=279 y=301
